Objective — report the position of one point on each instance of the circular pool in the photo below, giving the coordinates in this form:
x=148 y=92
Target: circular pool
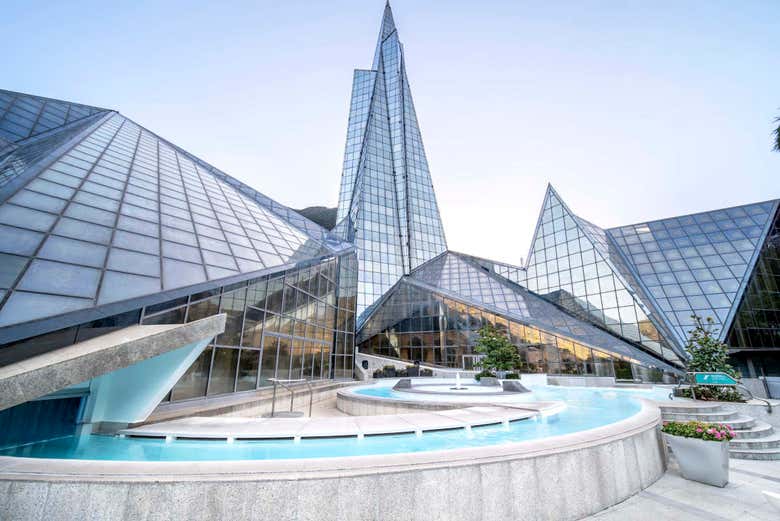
x=560 y=411
x=603 y=444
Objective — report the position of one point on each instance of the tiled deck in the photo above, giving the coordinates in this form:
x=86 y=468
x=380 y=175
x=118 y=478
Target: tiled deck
x=275 y=428
x=675 y=498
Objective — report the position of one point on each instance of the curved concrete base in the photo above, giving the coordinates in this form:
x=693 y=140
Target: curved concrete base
x=361 y=405
x=564 y=477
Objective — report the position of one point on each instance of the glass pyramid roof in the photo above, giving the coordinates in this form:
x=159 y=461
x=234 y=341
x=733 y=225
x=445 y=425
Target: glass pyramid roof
x=460 y=277
x=571 y=263
x=120 y=213
x=696 y=263
x=23 y=116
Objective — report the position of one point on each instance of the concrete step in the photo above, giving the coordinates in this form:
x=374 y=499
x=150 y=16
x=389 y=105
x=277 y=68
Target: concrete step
x=759 y=430
x=767 y=442
x=713 y=417
x=756 y=454
x=690 y=407
x=738 y=422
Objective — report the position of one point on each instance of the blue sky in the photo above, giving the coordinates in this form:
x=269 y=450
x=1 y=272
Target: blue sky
x=633 y=110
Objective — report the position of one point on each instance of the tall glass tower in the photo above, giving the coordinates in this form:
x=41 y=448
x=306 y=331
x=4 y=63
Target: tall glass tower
x=387 y=205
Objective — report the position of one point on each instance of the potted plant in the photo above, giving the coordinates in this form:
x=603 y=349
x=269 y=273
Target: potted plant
x=701 y=449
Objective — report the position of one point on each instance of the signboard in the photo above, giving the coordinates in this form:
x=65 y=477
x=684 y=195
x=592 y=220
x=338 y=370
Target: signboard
x=713 y=379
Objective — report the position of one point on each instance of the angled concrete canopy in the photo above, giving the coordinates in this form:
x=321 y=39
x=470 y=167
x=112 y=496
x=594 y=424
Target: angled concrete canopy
x=50 y=372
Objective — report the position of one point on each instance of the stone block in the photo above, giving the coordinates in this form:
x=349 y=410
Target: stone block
x=513 y=386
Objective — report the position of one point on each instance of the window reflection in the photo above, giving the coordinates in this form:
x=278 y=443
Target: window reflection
x=285 y=324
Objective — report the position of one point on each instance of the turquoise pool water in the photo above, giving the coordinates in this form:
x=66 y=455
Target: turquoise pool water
x=570 y=395
x=586 y=408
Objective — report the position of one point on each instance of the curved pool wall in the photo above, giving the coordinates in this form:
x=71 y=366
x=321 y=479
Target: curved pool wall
x=563 y=477
x=379 y=398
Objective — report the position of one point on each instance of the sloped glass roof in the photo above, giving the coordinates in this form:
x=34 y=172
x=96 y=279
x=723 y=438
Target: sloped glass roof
x=571 y=263
x=462 y=278
x=696 y=263
x=123 y=214
x=23 y=116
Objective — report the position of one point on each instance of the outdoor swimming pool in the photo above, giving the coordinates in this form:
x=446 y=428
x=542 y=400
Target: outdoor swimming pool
x=585 y=396
x=586 y=408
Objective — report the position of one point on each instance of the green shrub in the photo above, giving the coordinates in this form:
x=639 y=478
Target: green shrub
x=699 y=430
x=714 y=394
x=426 y=372
x=482 y=373
x=512 y=376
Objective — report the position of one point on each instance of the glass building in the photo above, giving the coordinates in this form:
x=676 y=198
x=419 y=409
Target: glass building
x=387 y=206
x=107 y=228
x=105 y=225
x=433 y=315
x=645 y=281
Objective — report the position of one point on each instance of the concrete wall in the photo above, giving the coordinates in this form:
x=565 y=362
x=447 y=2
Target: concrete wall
x=563 y=478
x=368 y=406
x=581 y=381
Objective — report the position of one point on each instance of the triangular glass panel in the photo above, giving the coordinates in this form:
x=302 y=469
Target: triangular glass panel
x=572 y=264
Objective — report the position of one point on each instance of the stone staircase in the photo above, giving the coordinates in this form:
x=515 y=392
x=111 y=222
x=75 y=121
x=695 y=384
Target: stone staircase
x=754 y=439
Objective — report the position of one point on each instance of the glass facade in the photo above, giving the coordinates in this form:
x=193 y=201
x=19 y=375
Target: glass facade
x=696 y=263
x=294 y=324
x=104 y=224
x=755 y=333
x=297 y=324
x=459 y=282
x=440 y=330
x=387 y=205
x=123 y=214
x=99 y=216
x=570 y=264
x=24 y=116
x=645 y=281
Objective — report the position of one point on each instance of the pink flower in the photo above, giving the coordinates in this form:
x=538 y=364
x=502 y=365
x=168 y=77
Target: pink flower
x=699 y=429
x=718 y=435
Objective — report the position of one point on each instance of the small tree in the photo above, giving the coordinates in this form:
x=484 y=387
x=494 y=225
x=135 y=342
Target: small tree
x=708 y=354
x=499 y=353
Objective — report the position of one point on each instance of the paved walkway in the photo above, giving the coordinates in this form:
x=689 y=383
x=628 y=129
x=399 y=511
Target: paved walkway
x=227 y=427
x=673 y=498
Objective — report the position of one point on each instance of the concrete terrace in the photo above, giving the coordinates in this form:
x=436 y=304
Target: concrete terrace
x=673 y=498
x=296 y=428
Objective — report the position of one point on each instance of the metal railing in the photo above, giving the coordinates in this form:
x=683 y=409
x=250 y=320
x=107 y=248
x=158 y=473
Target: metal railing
x=716 y=379
x=290 y=388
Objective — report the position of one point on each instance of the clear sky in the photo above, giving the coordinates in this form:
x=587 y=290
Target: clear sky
x=633 y=110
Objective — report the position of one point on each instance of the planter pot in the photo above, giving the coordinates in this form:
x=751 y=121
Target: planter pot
x=701 y=460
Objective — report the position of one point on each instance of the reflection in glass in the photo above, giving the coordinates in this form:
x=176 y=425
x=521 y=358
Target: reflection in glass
x=193 y=383
x=247 y=369
x=223 y=372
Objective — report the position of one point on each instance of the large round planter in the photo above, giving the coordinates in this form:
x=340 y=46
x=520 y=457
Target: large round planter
x=701 y=460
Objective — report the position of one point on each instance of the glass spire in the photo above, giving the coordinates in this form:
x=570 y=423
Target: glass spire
x=387 y=205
